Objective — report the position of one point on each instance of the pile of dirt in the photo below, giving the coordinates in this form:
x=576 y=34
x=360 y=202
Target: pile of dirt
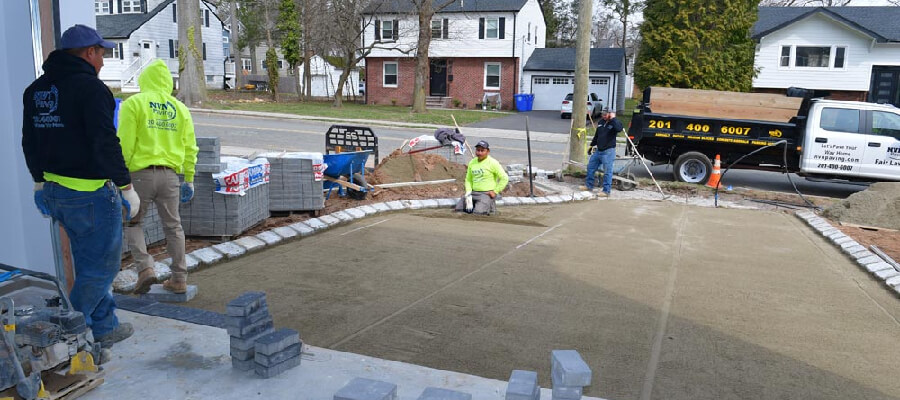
x=879 y=206
x=401 y=167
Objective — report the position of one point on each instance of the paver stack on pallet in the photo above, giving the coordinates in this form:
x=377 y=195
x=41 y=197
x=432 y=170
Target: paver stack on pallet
x=569 y=374
x=152 y=226
x=295 y=181
x=212 y=213
x=255 y=344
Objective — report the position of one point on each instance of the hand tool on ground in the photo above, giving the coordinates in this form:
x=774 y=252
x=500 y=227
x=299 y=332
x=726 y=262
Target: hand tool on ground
x=471 y=152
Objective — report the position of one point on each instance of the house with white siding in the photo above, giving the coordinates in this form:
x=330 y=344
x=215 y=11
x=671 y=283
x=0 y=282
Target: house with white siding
x=144 y=30
x=323 y=81
x=853 y=52
x=477 y=51
x=549 y=74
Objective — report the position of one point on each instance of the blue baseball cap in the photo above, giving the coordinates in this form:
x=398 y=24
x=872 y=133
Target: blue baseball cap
x=80 y=36
x=483 y=145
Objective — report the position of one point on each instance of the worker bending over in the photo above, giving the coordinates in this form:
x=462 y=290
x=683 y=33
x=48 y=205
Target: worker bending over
x=485 y=179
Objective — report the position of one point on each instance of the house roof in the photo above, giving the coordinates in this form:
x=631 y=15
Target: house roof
x=405 y=6
x=120 y=26
x=878 y=22
x=563 y=59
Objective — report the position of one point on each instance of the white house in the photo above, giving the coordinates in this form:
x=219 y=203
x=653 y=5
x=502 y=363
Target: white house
x=550 y=75
x=324 y=79
x=477 y=48
x=145 y=30
x=853 y=52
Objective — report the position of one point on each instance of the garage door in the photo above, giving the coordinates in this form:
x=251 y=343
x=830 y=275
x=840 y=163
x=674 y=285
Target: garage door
x=549 y=91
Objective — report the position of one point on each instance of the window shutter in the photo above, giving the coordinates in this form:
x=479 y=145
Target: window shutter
x=502 y=26
x=396 y=33
x=206 y=18
x=204 y=51
x=144 y=6
x=377 y=30
x=171 y=48
x=110 y=2
x=120 y=6
x=446 y=28
x=481 y=28
x=174 y=13
x=121 y=53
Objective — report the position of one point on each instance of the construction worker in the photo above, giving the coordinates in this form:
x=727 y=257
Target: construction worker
x=80 y=177
x=485 y=179
x=158 y=142
x=603 y=151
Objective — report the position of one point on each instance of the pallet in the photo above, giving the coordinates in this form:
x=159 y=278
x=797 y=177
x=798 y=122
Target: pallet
x=63 y=387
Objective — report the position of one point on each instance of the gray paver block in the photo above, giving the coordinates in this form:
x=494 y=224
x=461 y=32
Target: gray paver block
x=286 y=232
x=242 y=355
x=230 y=249
x=868 y=260
x=245 y=304
x=265 y=324
x=569 y=369
x=512 y=201
x=588 y=194
x=527 y=200
x=555 y=199
x=269 y=237
x=523 y=385
x=447 y=202
x=271 y=360
x=355 y=212
x=277 y=341
x=836 y=235
x=247 y=343
x=885 y=274
x=268 y=372
x=805 y=214
x=162 y=271
x=395 y=205
x=542 y=200
x=567 y=392
x=367 y=389
x=829 y=231
x=250 y=243
x=381 y=207
x=242 y=322
x=242 y=365
x=851 y=247
x=315 y=223
x=430 y=203
x=191 y=262
x=329 y=219
x=841 y=240
x=879 y=266
x=302 y=229
x=897 y=289
x=500 y=202
x=369 y=210
x=208 y=255
x=343 y=216
x=412 y=204
x=862 y=254
x=578 y=196
x=433 y=393
x=157 y=293
x=893 y=281
x=125 y=280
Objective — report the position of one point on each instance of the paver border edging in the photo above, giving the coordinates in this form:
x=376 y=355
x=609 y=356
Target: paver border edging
x=866 y=259
x=126 y=279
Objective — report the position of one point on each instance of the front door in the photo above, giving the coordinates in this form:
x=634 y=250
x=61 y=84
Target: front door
x=885 y=86
x=438 y=77
x=148 y=50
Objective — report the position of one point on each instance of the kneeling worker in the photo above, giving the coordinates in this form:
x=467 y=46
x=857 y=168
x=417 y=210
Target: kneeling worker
x=485 y=179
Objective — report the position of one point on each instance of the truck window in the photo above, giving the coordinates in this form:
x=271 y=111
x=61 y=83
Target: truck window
x=839 y=120
x=885 y=124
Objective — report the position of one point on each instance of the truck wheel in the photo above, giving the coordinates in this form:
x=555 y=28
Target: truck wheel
x=693 y=167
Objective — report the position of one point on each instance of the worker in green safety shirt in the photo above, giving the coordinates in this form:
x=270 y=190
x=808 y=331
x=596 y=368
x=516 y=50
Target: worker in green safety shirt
x=485 y=179
x=158 y=143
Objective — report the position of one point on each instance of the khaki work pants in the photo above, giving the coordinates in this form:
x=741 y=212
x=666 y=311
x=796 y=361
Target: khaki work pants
x=161 y=186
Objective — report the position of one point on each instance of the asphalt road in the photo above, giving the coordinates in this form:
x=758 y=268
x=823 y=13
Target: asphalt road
x=247 y=134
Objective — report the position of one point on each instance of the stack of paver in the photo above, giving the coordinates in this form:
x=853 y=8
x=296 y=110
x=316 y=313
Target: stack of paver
x=255 y=344
x=295 y=181
x=569 y=374
x=152 y=226
x=523 y=385
x=367 y=389
x=215 y=214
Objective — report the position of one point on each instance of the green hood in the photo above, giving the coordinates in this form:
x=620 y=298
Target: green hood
x=156 y=78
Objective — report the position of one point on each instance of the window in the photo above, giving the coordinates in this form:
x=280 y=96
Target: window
x=839 y=120
x=204 y=51
x=131 y=6
x=101 y=6
x=492 y=28
x=813 y=57
x=174 y=13
x=279 y=62
x=173 y=48
x=885 y=124
x=785 y=56
x=561 y=81
x=599 y=81
x=206 y=18
x=492 y=75
x=386 y=31
x=390 y=74
x=210 y=78
x=529 y=32
x=246 y=64
x=839 y=57
x=113 y=52
x=440 y=29
x=541 y=81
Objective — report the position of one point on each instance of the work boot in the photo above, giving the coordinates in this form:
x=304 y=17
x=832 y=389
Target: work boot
x=105 y=356
x=146 y=278
x=585 y=188
x=123 y=331
x=175 y=287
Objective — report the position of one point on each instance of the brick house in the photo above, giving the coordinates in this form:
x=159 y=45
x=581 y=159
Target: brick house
x=477 y=51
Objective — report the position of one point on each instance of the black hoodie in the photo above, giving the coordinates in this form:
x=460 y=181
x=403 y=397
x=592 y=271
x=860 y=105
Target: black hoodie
x=67 y=126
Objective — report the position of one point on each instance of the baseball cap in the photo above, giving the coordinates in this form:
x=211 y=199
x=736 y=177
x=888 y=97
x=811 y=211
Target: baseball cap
x=80 y=36
x=483 y=145
x=604 y=110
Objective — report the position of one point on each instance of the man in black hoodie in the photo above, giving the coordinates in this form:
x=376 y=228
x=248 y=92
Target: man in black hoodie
x=74 y=157
x=603 y=152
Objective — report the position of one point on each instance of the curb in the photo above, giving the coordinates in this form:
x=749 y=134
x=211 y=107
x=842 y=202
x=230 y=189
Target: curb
x=126 y=279
x=866 y=259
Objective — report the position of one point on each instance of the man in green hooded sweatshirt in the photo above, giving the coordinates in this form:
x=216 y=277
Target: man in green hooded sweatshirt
x=157 y=137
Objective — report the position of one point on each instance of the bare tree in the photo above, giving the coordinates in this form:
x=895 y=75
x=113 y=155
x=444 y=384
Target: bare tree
x=191 y=77
x=425 y=10
x=810 y=3
x=347 y=27
x=624 y=11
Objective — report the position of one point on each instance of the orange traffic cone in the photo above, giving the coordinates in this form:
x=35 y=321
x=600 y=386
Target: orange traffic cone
x=716 y=174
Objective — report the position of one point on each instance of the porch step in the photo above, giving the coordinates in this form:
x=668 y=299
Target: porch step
x=437 y=102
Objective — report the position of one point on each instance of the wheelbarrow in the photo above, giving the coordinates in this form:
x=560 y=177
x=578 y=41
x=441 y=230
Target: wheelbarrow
x=346 y=172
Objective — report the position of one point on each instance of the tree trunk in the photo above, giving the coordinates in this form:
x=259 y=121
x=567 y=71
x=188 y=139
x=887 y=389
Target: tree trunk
x=580 y=95
x=191 y=77
x=233 y=48
x=425 y=13
x=307 y=75
x=254 y=64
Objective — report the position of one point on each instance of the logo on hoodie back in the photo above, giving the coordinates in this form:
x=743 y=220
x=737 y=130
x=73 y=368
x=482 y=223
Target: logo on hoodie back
x=45 y=103
x=164 y=115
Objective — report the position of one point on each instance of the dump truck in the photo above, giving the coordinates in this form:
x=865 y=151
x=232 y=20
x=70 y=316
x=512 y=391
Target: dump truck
x=842 y=141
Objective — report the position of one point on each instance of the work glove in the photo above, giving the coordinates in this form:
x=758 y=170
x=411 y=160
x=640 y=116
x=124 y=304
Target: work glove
x=39 y=199
x=592 y=150
x=469 y=206
x=131 y=202
x=187 y=191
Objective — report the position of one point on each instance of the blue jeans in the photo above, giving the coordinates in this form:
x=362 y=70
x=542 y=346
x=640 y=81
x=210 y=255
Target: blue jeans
x=604 y=158
x=93 y=222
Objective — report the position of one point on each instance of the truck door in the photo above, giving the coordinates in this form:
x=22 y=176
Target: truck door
x=834 y=144
x=882 y=156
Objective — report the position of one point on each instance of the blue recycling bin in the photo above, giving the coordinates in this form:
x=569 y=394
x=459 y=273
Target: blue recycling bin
x=524 y=101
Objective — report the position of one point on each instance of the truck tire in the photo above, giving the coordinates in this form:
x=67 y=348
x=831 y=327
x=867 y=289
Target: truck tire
x=693 y=167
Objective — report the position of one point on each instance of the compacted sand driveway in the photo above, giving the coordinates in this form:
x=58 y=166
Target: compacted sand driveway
x=664 y=301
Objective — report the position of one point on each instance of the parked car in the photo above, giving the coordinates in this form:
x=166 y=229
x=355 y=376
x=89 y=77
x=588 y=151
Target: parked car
x=594 y=106
x=362 y=88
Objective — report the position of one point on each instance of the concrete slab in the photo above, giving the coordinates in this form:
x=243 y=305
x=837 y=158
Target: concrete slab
x=269 y=237
x=157 y=293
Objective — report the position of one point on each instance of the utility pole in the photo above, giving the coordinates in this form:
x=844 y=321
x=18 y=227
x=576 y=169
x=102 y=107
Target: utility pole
x=579 y=99
x=233 y=48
